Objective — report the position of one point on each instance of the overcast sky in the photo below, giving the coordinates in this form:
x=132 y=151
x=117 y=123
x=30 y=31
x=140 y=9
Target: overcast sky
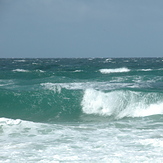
x=81 y=28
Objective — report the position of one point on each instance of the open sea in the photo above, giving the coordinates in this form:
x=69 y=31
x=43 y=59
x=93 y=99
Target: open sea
x=92 y=110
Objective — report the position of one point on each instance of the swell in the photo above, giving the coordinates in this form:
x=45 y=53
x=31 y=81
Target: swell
x=40 y=105
x=55 y=103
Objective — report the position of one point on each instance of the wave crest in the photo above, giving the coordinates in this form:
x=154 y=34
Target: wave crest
x=116 y=70
x=20 y=70
x=121 y=103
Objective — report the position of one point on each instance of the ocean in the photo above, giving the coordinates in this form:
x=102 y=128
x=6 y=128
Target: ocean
x=93 y=110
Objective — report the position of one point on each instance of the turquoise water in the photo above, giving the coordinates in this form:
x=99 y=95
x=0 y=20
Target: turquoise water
x=81 y=110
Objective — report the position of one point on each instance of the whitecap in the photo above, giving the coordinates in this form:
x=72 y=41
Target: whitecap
x=21 y=60
x=146 y=69
x=121 y=103
x=116 y=70
x=78 y=70
x=40 y=71
x=20 y=70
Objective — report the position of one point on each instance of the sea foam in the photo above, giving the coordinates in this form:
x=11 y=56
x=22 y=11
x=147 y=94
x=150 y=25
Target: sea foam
x=121 y=104
x=20 y=70
x=52 y=86
x=116 y=70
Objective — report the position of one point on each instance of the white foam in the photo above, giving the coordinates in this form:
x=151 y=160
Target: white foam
x=116 y=70
x=152 y=142
x=20 y=70
x=35 y=63
x=9 y=122
x=78 y=70
x=108 y=60
x=151 y=109
x=146 y=69
x=11 y=126
x=79 y=142
x=96 y=102
x=21 y=60
x=52 y=86
x=20 y=127
x=6 y=82
x=56 y=87
x=120 y=104
x=40 y=71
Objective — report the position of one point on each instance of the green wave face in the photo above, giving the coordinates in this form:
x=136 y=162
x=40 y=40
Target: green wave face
x=43 y=105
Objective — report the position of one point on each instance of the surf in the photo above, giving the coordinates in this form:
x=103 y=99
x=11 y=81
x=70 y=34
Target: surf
x=121 y=103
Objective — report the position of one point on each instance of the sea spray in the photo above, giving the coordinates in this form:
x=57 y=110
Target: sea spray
x=121 y=103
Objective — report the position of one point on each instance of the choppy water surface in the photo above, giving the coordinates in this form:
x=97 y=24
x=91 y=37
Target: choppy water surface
x=81 y=110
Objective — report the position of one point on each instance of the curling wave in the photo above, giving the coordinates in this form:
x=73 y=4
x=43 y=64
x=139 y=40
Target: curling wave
x=121 y=103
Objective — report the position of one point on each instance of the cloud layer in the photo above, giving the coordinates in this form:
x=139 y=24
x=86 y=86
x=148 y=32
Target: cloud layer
x=70 y=28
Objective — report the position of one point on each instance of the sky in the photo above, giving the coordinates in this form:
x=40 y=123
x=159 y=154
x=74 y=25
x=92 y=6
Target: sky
x=81 y=28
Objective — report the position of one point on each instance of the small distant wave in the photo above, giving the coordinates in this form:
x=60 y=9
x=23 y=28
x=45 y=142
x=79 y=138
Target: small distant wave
x=20 y=60
x=40 y=71
x=35 y=63
x=20 y=70
x=121 y=103
x=116 y=70
x=78 y=70
x=108 y=60
x=146 y=69
x=6 y=82
x=160 y=69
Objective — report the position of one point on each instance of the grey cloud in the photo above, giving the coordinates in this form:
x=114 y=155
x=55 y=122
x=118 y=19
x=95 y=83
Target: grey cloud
x=72 y=28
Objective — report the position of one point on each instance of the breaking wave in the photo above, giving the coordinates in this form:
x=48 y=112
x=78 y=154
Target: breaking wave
x=69 y=102
x=121 y=103
x=116 y=70
x=20 y=70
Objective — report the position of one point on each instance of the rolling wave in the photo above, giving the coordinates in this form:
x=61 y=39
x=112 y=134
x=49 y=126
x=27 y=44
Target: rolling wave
x=121 y=104
x=56 y=103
